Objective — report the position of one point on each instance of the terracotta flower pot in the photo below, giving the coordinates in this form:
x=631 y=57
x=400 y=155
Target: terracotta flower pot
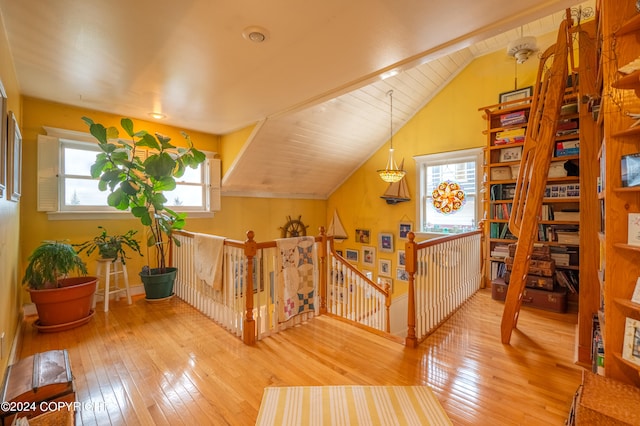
x=69 y=304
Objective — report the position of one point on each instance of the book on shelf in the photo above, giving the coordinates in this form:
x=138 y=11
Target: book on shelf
x=562 y=190
x=500 y=250
x=564 y=148
x=512 y=118
x=633 y=233
x=635 y=297
x=564 y=281
x=630 y=169
x=567 y=237
x=510 y=136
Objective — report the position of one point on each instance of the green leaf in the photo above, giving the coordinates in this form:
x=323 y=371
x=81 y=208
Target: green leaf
x=127 y=125
x=99 y=132
x=149 y=141
x=111 y=175
x=129 y=187
x=118 y=199
x=165 y=184
x=198 y=156
x=160 y=165
x=112 y=133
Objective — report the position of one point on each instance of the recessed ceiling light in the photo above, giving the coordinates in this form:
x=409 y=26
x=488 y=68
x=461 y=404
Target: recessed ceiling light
x=157 y=115
x=255 y=34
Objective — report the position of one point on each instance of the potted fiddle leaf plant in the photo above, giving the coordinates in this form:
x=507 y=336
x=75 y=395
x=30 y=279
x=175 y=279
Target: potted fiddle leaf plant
x=137 y=183
x=111 y=246
x=62 y=301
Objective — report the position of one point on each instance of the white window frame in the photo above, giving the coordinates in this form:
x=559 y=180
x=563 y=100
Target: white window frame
x=443 y=158
x=51 y=180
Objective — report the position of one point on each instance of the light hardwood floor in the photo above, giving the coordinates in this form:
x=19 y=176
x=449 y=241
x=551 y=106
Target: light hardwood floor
x=166 y=364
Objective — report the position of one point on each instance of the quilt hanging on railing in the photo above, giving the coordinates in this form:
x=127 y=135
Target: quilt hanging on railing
x=296 y=284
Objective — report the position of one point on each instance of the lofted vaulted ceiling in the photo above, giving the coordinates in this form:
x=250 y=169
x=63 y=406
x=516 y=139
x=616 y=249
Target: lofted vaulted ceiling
x=314 y=86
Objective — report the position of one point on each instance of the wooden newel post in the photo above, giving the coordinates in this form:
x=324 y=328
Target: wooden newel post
x=249 y=329
x=322 y=255
x=410 y=260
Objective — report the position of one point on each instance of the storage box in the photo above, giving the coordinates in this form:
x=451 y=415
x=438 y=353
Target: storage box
x=603 y=401
x=545 y=268
x=535 y=281
x=511 y=154
x=565 y=148
x=554 y=301
x=556 y=169
x=501 y=173
x=41 y=377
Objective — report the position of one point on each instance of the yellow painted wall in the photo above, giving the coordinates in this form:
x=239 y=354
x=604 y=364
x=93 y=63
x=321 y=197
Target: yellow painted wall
x=9 y=220
x=238 y=215
x=231 y=145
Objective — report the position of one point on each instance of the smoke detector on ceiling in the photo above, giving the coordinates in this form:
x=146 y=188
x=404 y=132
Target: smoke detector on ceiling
x=522 y=48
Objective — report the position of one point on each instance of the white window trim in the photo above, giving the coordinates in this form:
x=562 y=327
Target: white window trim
x=424 y=161
x=49 y=156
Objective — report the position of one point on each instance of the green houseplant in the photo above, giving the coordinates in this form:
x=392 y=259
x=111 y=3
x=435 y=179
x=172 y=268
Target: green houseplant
x=62 y=301
x=111 y=246
x=137 y=182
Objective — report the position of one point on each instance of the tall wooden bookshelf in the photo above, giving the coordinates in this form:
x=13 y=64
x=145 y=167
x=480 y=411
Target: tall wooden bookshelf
x=578 y=192
x=620 y=262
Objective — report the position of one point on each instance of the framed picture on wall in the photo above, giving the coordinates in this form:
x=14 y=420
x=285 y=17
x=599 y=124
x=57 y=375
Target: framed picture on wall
x=404 y=228
x=402 y=274
x=384 y=267
x=631 y=346
x=514 y=95
x=383 y=282
x=363 y=236
x=402 y=258
x=368 y=255
x=14 y=159
x=385 y=242
x=352 y=255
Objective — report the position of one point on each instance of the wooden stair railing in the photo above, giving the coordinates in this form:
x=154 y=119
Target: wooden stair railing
x=534 y=168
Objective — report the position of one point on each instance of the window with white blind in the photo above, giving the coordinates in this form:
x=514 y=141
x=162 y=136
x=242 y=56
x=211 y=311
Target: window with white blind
x=462 y=167
x=65 y=184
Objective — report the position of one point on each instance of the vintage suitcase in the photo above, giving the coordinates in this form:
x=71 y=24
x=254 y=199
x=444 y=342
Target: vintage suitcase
x=539 y=252
x=545 y=268
x=33 y=380
x=554 y=301
x=535 y=281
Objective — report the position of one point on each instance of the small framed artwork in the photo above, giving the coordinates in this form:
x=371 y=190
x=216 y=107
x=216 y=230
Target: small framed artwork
x=368 y=274
x=352 y=255
x=514 y=95
x=402 y=274
x=14 y=157
x=385 y=242
x=633 y=230
x=363 y=236
x=402 y=260
x=631 y=346
x=404 y=229
x=383 y=282
x=635 y=298
x=3 y=140
x=511 y=154
x=368 y=255
x=340 y=252
x=384 y=267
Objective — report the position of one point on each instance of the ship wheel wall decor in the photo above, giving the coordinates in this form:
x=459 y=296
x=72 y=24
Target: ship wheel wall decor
x=294 y=228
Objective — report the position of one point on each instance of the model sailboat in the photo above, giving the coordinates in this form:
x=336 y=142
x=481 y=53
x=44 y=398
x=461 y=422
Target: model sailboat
x=336 y=230
x=397 y=192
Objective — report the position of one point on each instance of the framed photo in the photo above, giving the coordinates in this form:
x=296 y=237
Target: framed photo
x=363 y=236
x=385 y=242
x=368 y=274
x=368 y=255
x=511 y=154
x=402 y=274
x=14 y=159
x=3 y=140
x=340 y=252
x=402 y=260
x=636 y=292
x=383 y=282
x=384 y=268
x=404 y=229
x=515 y=95
x=352 y=255
x=631 y=346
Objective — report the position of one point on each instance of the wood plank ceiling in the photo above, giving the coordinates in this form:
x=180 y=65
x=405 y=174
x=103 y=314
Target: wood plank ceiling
x=314 y=86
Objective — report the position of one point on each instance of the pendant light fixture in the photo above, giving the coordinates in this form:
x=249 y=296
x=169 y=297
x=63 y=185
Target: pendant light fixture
x=391 y=173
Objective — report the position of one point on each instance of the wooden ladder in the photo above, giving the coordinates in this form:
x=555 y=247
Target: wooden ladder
x=538 y=149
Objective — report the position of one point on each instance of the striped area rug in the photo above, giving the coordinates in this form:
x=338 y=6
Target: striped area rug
x=350 y=405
